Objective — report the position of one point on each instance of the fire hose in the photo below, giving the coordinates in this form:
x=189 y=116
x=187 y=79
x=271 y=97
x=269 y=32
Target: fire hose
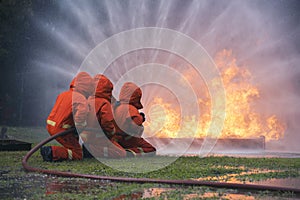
x=145 y=180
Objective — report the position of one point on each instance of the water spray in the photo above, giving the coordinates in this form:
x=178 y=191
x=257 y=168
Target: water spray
x=250 y=31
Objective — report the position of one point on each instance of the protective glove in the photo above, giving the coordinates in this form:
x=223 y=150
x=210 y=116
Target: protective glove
x=143 y=115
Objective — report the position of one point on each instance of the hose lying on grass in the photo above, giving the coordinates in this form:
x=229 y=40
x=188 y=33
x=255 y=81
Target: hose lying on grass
x=145 y=180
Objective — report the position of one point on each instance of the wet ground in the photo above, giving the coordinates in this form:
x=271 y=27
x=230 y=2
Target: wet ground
x=17 y=184
x=32 y=186
x=159 y=193
x=22 y=188
x=19 y=187
x=218 y=194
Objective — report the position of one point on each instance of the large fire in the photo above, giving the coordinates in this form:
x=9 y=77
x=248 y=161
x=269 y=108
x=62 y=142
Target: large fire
x=241 y=121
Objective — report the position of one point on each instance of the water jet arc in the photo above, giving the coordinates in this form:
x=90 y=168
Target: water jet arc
x=144 y=180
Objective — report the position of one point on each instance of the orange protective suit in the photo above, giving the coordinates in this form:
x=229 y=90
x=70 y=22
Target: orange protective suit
x=97 y=138
x=70 y=109
x=129 y=122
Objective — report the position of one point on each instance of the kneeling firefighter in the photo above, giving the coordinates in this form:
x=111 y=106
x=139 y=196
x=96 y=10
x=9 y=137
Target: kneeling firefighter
x=98 y=140
x=129 y=122
x=70 y=110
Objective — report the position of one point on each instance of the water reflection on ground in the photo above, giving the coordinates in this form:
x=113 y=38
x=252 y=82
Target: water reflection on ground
x=58 y=185
x=161 y=193
x=88 y=186
x=233 y=177
x=164 y=193
x=215 y=195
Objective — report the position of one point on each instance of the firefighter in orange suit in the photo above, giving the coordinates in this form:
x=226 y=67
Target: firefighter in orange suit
x=129 y=121
x=100 y=122
x=70 y=110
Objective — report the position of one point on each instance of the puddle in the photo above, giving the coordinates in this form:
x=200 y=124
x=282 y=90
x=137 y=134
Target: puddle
x=133 y=196
x=219 y=196
x=21 y=187
x=51 y=185
x=183 y=193
x=147 y=193
x=166 y=193
x=233 y=196
x=231 y=178
x=30 y=185
x=55 y=185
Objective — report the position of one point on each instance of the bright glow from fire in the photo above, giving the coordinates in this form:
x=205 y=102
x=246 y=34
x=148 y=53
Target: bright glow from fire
x=241 y=121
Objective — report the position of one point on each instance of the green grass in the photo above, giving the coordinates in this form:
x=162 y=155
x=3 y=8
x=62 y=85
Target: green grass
x=34 y=186
x=182 y=168
x=15 y=183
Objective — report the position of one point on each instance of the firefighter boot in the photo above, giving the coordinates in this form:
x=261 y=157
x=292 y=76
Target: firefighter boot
x=46 y=153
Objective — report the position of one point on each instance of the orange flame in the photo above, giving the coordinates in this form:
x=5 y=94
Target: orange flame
x=241 y=120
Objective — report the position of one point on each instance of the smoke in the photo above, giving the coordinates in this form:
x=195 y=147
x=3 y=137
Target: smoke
x=262 y=34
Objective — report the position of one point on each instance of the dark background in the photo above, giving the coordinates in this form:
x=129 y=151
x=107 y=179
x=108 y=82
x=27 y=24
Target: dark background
x=15 y=46
x=22 y=91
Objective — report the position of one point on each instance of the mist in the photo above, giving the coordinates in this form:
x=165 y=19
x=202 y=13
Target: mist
x=263 y=37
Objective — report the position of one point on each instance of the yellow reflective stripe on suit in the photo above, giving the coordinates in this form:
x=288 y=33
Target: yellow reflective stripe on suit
x=53 y=123
x=66 y=126
x=70 y=154
x=50 y=122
